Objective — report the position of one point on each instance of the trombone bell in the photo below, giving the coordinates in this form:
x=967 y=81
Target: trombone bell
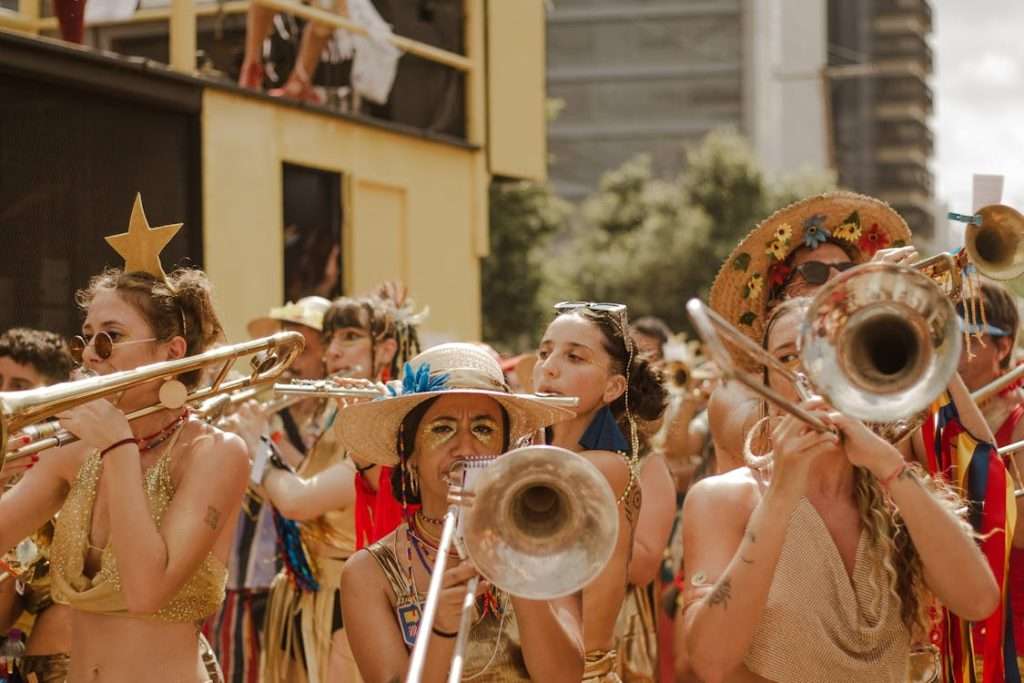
x=543 y=522
x=881 y=341
x=996 y=247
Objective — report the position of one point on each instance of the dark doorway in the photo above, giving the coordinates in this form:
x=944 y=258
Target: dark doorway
x=312 y=233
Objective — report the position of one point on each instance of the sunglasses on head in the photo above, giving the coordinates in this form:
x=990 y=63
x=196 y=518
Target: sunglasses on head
x=102 y=345
x=816 y=272
x=600 y=307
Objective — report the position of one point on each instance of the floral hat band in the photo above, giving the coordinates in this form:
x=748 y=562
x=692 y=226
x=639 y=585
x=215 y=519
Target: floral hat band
x=761 y=263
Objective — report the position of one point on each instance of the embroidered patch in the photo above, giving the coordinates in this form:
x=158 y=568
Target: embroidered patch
x=849 y=230
x=409 y=616
x=741 y=262
x=754 y=286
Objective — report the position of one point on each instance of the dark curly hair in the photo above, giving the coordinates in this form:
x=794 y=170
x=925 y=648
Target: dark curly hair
x=47 y=352
x=647 y=395
x=180 y=306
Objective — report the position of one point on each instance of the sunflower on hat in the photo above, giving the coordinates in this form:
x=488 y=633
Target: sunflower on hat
x=760 y=265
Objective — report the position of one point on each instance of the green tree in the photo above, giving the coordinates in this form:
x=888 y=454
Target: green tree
x=523 y=216
x=653 y=243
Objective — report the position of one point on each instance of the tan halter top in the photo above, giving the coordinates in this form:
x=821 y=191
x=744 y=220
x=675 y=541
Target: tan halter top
x=493 y=652
x=817 y=625
x=201 y=595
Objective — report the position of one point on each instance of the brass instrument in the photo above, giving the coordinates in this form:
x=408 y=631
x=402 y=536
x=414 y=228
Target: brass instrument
x=996 y=245
x=879 y=342
x=23 y=411
x=214 y=409
x=538 y=522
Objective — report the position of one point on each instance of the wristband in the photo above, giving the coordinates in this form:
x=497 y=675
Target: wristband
x=118 y=444
x=443 y=634
x=887 y=482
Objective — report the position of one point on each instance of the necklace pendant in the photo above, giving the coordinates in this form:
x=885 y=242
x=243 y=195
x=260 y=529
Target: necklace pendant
x=409 y=615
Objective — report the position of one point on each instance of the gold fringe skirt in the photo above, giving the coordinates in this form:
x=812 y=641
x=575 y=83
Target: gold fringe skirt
x=636 y=637
x=299 y=630
x=44 y=668
x=599 y=667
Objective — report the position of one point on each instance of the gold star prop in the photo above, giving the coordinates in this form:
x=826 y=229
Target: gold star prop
x=140 y=247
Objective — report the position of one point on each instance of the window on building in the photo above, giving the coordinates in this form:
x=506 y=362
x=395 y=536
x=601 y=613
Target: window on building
x=312 y=232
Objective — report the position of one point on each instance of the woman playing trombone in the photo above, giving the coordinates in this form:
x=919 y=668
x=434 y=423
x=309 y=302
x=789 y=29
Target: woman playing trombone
x=834 y=554
x=454 y=406
x=141 y=541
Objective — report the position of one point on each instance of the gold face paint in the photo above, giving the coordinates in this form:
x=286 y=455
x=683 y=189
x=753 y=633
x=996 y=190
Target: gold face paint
x=436 y=433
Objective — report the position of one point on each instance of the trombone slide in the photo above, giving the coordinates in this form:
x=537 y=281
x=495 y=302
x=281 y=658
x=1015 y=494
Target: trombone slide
x=426 y=625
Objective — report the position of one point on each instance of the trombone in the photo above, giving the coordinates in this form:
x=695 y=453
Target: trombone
x=539 y=522
x=23 y=411
x=879 y=342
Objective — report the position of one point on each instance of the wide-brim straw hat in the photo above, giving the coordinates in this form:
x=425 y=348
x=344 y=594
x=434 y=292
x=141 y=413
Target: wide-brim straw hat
x=308 y=311
x=370 y=430
x=741 y=290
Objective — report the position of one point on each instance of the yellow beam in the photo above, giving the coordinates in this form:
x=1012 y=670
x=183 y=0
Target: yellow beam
x=476 y=122
x=183 y=36
x=413 y=47
x=158 y=14
x=15 y=21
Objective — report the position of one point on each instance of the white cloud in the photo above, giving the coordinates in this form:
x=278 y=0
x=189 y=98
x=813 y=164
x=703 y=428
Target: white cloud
x=979 y=101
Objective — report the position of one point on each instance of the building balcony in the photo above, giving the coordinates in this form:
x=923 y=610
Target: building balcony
x=919 y=10
x=908 y=89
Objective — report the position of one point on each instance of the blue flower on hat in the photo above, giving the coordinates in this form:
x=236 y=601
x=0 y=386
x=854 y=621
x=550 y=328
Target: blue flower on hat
x=419 y=381
x=815 y=233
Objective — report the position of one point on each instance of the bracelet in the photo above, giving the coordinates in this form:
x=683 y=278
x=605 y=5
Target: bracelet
x=887 y=482
x=443 y=634
x=118 y=444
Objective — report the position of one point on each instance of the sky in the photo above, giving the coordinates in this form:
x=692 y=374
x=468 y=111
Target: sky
x=978 y=86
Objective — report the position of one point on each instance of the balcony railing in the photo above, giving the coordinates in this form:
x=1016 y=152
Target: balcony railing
x=181 y=16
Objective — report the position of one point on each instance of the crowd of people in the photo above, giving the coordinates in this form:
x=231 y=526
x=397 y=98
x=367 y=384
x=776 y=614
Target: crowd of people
x=295 y=541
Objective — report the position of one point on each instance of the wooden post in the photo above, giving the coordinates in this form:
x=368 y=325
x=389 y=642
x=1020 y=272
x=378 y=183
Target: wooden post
x=29 y=11
x=474 y=16
x=183 y=36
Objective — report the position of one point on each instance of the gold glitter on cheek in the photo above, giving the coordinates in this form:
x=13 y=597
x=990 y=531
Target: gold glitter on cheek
x=437 y=433
x=486 y=432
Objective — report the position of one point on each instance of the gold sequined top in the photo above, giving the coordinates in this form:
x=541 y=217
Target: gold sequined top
x=201 y=595
x=821 y=624
x=493 y=651
x=334 y=532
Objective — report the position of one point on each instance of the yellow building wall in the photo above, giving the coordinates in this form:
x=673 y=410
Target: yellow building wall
x=408 y=210
x=516 y=89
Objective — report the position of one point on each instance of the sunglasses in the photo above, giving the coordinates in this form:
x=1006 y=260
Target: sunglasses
x=102 y=345
x=816 y=272
x=600 y=307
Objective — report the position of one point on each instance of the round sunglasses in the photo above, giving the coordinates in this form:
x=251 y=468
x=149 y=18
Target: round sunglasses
x=102 y=345
x=817 y=272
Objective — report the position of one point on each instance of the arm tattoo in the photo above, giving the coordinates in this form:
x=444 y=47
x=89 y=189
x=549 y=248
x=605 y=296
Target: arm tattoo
x=212 y=517
x=721 y=594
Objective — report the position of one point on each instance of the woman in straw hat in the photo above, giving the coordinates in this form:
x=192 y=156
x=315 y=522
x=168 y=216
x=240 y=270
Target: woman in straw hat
x=454 y=405
x=321 y=510
x=586 y=351
x=820 y=567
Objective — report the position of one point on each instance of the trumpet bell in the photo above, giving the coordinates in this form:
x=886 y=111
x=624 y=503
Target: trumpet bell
x=881 y=341
x=996 y=247
x=543 y=522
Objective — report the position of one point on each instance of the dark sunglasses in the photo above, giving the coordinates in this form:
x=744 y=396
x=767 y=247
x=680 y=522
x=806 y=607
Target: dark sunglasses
x=102 y=345
x=816 y=272
x=600 y=307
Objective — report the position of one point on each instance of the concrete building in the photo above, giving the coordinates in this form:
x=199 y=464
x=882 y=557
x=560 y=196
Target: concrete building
x=879 y=65
x=652 y=75
x=820 y=83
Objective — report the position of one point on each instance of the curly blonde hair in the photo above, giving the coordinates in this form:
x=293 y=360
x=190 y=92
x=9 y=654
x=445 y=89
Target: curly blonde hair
x=901 y=564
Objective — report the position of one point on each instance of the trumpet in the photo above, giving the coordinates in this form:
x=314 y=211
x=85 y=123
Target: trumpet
x=539 y=522
x=879 y=342
x=26 y=411
x=995 y=244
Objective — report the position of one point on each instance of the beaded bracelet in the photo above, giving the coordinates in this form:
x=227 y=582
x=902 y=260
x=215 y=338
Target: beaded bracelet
x=118 y=444
x=887 y=482
x=443 y=634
